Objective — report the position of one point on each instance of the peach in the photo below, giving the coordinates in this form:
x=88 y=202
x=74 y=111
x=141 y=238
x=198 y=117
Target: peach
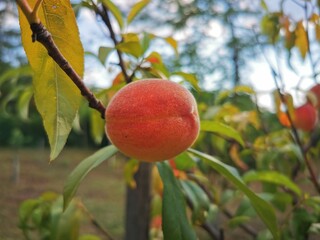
x=305 y=117
x=152 y=120
x=316 y=91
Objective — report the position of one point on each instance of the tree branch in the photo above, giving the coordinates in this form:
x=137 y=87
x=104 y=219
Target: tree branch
x=42 y=35
x=95 y=222
x=106 y=19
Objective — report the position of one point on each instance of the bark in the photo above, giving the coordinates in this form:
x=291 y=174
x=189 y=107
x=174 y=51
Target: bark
x=138 y=205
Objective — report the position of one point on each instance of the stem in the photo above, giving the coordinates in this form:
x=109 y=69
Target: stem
x=31 y=14
x=244 y=227
x=25 y=8
x=95 y=222
x=293 y=129
x=42 y=35
x=308 y=43
x=209 y=228
x=106 y=19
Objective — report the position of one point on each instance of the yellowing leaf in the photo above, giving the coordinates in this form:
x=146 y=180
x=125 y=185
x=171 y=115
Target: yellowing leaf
x=130 y=169
x=243 y=89
x=235 y=156
x=173 y=43
x=154 y=57
x=130 y=37
x=132 y=48
x=314 y=17
x=56 y=96
x=130 y=44
x=270 y=26
x=136 y=9
x=301 y=41
x=317 y=29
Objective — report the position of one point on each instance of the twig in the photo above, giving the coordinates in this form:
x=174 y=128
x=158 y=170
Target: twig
x=293 y=129
x=94 y=221
x=42 y=35
x=244 y=227
x=211 y=230
x=106 y=19
x=314 y=139
x=308 y=42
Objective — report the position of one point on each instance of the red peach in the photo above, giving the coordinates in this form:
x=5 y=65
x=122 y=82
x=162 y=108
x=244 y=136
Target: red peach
x=316 y=91
x=152 y=120
x=305 y=117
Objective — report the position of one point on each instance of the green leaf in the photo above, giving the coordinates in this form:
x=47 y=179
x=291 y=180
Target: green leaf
x=114 y=10
x=89 y=237
x=174 y=218
x=78 y=174
x=69 y=224
x=280 y=200
x=270 y=26
x=97 y=125
x=24 y=102
x=130 y=168
x=243 y=89
x=133 y=48
x=25 y=211
x=191 y=78
x=104 y=53
x=15 y=73
x=222 y=129
x=12 y=95
x=264 y=5
x=145 y=42
x=136 y=9
x=263 y=208
x=238 y=220
x=199 y=199
x=184 y=162
x=272 y=177
x=57 y=98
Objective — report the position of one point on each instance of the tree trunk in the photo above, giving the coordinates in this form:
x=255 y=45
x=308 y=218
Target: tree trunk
x=138 y=205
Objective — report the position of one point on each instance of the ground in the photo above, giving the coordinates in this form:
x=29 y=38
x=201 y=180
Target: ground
x=102 y=191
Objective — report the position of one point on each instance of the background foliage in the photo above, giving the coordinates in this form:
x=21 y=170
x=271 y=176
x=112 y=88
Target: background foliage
x=246 y=172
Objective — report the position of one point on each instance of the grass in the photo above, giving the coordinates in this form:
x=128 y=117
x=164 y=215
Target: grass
x=102 y=191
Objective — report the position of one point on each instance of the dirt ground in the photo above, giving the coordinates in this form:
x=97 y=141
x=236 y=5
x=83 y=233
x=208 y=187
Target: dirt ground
x=25 y=173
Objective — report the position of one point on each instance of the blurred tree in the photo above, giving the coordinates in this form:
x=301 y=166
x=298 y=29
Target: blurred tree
x=215 y=36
